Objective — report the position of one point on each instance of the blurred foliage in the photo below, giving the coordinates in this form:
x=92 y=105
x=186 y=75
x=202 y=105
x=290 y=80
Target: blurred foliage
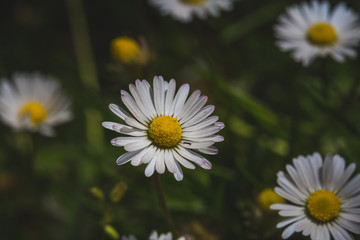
x=273 y=108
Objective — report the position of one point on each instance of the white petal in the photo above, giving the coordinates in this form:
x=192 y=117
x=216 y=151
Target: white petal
x=150 y=168
x=289 y=230
x=190 y=103
x=196 y=145
x=194 y=157
x=133 y=107
x=288 y=196
x=121 y=113
x=180 y=98
x=159 y=95
x=138 y=145
x=160 y=164
x=134 y=123
x=351 y=188
x=338 y=232
x=169 y=99
x=150 y=154
x=122 y=141
x=179 y=173
x=204 y=113
x=170 y=162
x=144 y=91
x=345 y=177
x=139 y=100
x=205 y=123
x=349 y=225
x=183 y=161
x=126 y=157
x=213 y=138
x=209 y=150
x=203 y=132
x=136 y=160
x=120 y=128
x=193 y=110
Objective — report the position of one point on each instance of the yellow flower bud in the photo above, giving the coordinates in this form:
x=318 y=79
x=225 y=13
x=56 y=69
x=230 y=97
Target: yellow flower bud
x=267 y=197
x=111 y=232
x=97 y=193
x=128 y=51
x=118 y=192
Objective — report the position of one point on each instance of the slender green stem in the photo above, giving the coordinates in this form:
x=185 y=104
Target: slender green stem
x=82 y=44
x=87 y=70
x=325 y=78
x=162 y=202
x=351 y=95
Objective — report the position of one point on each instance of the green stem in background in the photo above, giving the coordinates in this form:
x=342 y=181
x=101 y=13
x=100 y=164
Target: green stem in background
x=351 y=95
x=87 y=70
x=162 y=202
x=324 y=77
x=82 y=44
x=24 y=143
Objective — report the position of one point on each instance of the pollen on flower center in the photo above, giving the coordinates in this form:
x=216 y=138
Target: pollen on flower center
x=34 y=110
x=193 y=1
x=125 y=49
x=323 y=205
x=165 y=131
x=322 y=34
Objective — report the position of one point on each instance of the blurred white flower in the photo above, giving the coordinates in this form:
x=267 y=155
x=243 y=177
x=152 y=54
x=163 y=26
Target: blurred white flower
x=154 y=236
x=165 y=127
x=183 y=10
x=312 y=30
x=323 y=199
x=168 y=236
x=33 y=102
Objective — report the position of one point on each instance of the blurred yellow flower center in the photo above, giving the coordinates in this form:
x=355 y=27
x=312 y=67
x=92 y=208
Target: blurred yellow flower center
x=267 y=197
x=322 y=34
x=34 y=110
x=193 y=1
x=125 y=49
x=165 y=131
x=323 y=205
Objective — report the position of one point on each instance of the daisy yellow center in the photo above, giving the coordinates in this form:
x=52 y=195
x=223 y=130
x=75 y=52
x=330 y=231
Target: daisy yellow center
x=165 y=131
x=34 y=110
x=268 y=196
x=322 y=34
x=193 y=1
x=323 y=205
x=125 y=49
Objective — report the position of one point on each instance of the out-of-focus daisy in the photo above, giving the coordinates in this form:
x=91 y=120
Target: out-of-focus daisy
x=267 y=197
x=154 y=236
x=33 y=102
x=165 y=127
x=183 y=10
x=128 y=51
x=323 y=199
x=165 y=236
x=312 y=30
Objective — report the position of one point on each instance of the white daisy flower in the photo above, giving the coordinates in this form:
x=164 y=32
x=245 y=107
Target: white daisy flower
x=33 y=102
x=183 y=10
x=168 y=236
x=154 y=236
x=311 y=29
x=323 y=200
x=165 y=127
